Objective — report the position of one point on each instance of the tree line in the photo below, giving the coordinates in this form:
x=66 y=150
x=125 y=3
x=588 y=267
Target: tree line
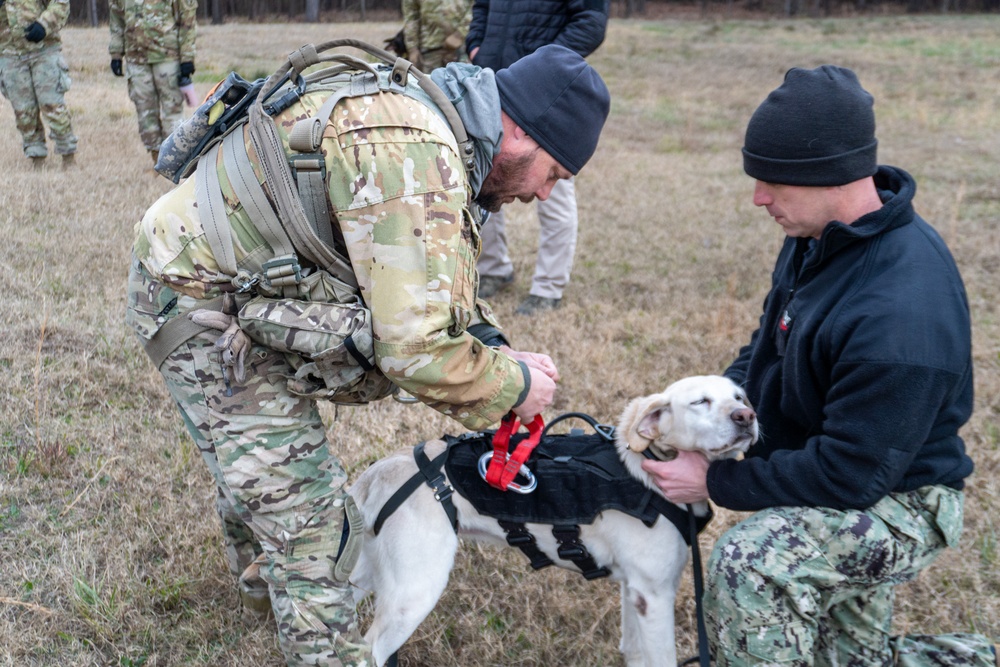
x=95 y=12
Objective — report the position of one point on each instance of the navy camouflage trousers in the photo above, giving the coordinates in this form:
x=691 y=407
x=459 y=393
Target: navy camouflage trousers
x=802 y=586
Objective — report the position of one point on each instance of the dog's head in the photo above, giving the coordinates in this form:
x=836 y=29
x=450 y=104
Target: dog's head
x=706 y=413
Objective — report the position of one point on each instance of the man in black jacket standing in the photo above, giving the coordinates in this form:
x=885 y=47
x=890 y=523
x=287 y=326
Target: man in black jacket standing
x=501 y=32
x=861 y=373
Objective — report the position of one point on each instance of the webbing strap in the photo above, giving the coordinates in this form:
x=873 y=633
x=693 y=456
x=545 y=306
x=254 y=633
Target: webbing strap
x=572 y=549
x=504 y=466
x=310 y=167
x=256 y=205
x=174 y=333
x=212 y=212
x=519 y=536
x=278 y=176
x=428 y=472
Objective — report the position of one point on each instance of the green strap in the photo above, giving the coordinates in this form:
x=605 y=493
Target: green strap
x=283 y=270
x=175 y=332
x=212 y=212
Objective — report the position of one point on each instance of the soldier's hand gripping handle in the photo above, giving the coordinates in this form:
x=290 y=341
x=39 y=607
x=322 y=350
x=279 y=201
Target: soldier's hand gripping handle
x=233 y=344
x=116 y=67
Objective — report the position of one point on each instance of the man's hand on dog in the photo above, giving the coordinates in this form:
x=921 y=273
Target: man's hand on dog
x=544 y=375
x=683 y=480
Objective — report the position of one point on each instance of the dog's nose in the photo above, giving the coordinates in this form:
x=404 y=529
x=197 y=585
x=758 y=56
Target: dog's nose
x=743 y=417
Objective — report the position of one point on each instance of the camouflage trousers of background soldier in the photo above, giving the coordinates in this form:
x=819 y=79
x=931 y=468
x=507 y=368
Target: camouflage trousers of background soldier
x=813 y=586
x=36 y=84
x=159 y=103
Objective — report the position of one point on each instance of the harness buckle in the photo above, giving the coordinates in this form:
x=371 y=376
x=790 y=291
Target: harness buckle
x=441 y=488
x=307 y=162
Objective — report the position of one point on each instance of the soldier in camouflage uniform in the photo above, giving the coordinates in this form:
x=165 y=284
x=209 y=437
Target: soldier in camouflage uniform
x=34 y=75
x=401 y=209
x=861 y=374
x=435 y=31
x=156 y=41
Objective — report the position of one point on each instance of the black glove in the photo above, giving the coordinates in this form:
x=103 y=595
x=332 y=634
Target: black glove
x=187 y=69
x=34 y=32
x=116 y=67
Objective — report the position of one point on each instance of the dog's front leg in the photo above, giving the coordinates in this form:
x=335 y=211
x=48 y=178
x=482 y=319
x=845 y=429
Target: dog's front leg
x=648 y=627
x=631 y=642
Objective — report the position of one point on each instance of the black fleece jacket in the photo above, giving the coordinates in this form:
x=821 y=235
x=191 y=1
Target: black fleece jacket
x=507 y=30
x=861 y=370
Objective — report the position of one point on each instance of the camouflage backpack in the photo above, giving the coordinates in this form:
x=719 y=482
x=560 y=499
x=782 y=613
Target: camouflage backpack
x=334 y=358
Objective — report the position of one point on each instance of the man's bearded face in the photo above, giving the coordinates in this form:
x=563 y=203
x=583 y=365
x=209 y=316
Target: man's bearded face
x=507 y=180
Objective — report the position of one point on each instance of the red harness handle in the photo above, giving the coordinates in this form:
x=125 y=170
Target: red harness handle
x=504 y=466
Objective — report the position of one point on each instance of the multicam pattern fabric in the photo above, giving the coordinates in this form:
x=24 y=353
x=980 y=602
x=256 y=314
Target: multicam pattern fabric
x=153 y=31
x=268 y=453
x=400 y=202
x=36 y=84
x=158 y=101
x=436 y=29
x=806 y=586
x=398 y=191
x=17 y=15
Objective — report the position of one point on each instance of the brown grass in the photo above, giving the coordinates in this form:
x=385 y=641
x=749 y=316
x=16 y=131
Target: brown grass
x=111 y=552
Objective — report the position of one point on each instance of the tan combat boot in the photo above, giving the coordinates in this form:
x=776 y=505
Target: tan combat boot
x=38 y=162
x=69 y=160
x=155 y=154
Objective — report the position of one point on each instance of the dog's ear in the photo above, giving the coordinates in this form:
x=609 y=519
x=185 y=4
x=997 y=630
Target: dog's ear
x=640 y=423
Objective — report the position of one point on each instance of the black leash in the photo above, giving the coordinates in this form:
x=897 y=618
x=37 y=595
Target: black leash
x=704 y=658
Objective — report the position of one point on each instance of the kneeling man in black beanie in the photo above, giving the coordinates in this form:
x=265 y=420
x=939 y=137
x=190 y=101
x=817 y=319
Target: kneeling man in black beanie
x=861 y=375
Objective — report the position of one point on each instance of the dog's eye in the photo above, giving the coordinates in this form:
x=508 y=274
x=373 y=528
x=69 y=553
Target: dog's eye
x=701 y=401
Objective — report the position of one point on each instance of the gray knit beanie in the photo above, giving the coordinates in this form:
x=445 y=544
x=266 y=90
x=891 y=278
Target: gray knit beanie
x=817 y=128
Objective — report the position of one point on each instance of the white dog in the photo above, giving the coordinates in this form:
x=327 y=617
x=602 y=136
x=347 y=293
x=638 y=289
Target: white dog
x=704 y=413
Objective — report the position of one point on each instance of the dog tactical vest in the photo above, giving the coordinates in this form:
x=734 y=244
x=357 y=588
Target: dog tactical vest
x=579 y=476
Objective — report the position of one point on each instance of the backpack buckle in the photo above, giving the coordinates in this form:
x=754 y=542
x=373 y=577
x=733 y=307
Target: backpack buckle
x=282 y=271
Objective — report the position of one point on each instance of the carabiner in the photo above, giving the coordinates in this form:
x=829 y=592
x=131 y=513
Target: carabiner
x=484 y=463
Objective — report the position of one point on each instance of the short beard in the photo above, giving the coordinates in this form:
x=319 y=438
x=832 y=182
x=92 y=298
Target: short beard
x=505 y=172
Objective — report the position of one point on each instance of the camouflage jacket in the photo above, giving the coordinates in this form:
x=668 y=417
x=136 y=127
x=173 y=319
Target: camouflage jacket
x=17 y=15
x=399 y=195
x=153 y=31
x=428 y=22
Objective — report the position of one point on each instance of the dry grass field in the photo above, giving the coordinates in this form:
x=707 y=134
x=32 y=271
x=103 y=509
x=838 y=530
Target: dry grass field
x=110 y=552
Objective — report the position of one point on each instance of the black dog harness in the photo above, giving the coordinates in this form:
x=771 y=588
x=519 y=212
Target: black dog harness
x=579 y=476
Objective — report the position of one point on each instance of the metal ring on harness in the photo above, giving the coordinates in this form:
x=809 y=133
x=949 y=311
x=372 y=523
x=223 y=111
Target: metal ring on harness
x=484 y=462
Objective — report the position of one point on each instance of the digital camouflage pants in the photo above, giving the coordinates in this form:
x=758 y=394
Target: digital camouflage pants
x=800 y=586
x=158 y=100
x=36 y=85
x=268 y=452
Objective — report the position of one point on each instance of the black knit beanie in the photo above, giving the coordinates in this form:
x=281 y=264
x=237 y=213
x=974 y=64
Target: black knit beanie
x=817 y=128
x=558 y=100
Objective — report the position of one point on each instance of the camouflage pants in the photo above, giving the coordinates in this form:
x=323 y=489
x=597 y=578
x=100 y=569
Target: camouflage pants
x=268 y=452
x=158 y=100
x=801 y=586
x=36 y=84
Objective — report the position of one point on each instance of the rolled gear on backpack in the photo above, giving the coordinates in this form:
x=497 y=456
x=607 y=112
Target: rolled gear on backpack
x=180 y=151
